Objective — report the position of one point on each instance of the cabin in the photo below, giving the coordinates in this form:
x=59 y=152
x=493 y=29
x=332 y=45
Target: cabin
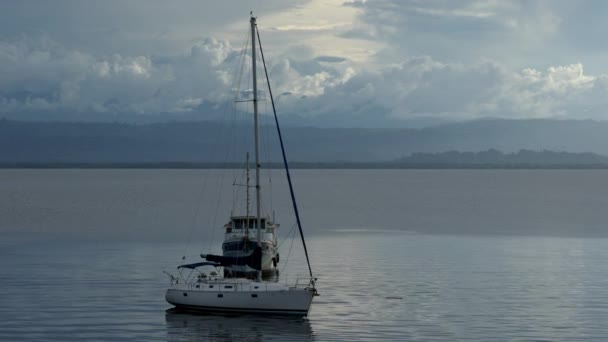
x=239 y=224
x=242 y=222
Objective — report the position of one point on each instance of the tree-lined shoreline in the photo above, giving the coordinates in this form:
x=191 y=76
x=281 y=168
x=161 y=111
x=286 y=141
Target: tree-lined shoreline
x=489 y=159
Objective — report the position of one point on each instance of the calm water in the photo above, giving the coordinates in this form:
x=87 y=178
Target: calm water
x=400 y=255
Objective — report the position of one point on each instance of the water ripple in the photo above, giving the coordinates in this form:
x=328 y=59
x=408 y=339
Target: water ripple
x=404 y=287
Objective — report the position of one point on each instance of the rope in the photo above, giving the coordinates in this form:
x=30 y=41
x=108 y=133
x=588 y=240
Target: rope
x=227 y=155
x=290 y=247
x=287 y=236
x=293 y=197
x=205 y=176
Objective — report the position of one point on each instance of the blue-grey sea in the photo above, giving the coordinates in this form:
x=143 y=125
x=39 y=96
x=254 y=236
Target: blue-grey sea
x=401 y=255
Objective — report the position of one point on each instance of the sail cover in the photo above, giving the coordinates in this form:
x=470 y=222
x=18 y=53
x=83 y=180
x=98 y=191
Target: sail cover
x=253 y=260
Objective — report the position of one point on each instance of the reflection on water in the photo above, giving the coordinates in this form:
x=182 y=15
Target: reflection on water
x=192 y=326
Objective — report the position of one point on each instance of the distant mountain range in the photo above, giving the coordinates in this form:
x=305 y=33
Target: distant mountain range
x=215 y=142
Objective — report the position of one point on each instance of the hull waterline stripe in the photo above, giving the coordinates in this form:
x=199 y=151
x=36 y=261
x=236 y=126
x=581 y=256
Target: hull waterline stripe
x=233 y=309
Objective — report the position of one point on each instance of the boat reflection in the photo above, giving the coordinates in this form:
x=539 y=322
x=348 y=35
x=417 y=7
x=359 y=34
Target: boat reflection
x=192 y=326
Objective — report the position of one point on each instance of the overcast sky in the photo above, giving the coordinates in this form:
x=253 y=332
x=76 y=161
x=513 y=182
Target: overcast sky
x=332 y=63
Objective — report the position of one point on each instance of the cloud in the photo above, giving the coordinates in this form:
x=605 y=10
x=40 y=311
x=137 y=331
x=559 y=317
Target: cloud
x=40 y=74
x=459 y=30
x=144 y=57
x=425 y=88
x=330 y=59
x=358 y=63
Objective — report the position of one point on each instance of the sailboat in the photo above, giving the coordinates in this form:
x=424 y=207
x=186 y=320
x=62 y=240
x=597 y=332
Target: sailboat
x=214 y=293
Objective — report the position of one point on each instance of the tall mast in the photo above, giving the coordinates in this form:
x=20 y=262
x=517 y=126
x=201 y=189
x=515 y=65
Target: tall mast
x=257 y=147
x=247 y=192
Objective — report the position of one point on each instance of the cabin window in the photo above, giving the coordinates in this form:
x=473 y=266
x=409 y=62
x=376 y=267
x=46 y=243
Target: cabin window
x=210 y=286
x=254 y=295
x=250 y=223
x=254 y=223
x=228 y=286
x=220 y=295
x=255 y=287
x=185 y=294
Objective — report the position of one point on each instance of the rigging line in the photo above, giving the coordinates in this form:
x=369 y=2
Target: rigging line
x=237 y=90
x=288 y=235
x=293 y=197
x=206 y=172
x=238 y=136
x=220 y=183
x=236 y=187
x=227 y=105
x=268 y=157
x=237 y=193
x=263 y=151
x=290 y=247
x=236 y=96
x=218 y=203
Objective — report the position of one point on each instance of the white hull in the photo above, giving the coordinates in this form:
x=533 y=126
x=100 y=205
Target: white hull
x=270 y=298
